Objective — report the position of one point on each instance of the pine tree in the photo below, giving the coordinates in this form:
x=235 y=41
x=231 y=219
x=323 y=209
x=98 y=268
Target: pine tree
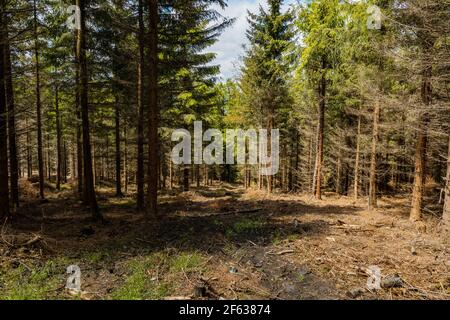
x=263 y=78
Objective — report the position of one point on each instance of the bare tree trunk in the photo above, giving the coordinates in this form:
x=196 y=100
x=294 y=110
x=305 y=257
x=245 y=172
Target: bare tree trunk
x=373 y=186
x=38 y=106
x=186 y=182
x=29 y=153
x=66 y=162
x=58 y=139
x=446 y=215
x=118 y=155
x=13 y=160
x=4 y=187
x=320 y=134
x=270 y=127
x=310 y=172
x=79 y=144
x=357 y=160
x=420 y=158
x=296 y=185
x=125 y=157
x=206 y=173
x=140 y=143
x=153 y=112
x=49 y=158
x=338 y=175
x=73 y=173
x=89 y=189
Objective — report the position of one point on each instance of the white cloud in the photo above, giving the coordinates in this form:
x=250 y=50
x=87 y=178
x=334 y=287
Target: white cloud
x=229 y=48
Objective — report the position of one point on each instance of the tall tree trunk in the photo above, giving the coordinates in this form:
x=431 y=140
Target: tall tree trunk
x=13 y=160
x=420 y=158
x=4 y=187
x=320 y=133
x=197 y=175
x=446 y=215
x=79 y=143
x=357 y=160
x=153 y=112
x=89 y=196
x=118 y=155
x=73 y=173
x=338 y=175
x=140 y=143
x=29 y=153
x=58 y=140
x=270 y=127
x=295 y=182
x=38 y=105
x=186 y=174
x=373 y=185
x=66 y=162
x=125 y=157
x=49 y=158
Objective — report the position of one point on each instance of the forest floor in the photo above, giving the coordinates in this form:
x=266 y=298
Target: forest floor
x=222 y=243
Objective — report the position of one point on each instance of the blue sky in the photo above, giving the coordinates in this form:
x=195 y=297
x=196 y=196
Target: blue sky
x=229 y=48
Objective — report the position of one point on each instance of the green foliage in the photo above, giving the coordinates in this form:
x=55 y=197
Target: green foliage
x=246 y=226
x=27 y=282
x=143 y=282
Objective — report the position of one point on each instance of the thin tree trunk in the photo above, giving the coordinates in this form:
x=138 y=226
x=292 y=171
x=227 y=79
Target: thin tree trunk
x=373 y=185
x=320 y=133
x=66 y=163
x=74 y=161
x=38 y=106
x=58 y=140
x=118 y=155
x=153 y=112
x=357 y=160
x=197 y=175
x=186 y=182
x=4 y=186
x=13 y=160
x=338 y=175
x=140 y=143
x=29 y=153
x=125 y=158
x=446 y=215
x=420 y=158
x=89 y=189
x=79 y=143
x=49 y=157
x=270 y=127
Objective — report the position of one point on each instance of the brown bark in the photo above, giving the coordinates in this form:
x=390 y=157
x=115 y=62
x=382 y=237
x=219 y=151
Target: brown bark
x=29 y=153
x=270 y=127
x=13 y=160
x=118 y=155
x=38 y=106
x=58 y=140
x=420 y=158
x=89 y=196
x=78 y=124
x=4 y=187
x=373 y=185
x=140 y=142
x=320 y=134
x=125 y=158
x=338 y=175
x=357 y=160
x=446 y=215
x=153 y=112
x=186 y=182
